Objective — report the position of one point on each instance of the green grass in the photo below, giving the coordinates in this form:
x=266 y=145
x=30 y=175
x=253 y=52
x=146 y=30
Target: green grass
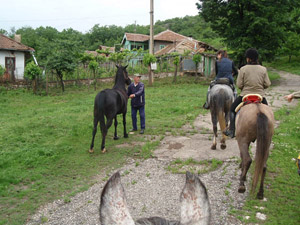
x=44 y=141
x=282 y=183
x=199 y=167
x=273 y=76
x=282 y=63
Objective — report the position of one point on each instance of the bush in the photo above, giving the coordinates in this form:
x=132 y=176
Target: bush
x=32 y=71
x=2 y=70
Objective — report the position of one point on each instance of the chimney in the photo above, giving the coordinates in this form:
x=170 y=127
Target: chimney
x=17 y=38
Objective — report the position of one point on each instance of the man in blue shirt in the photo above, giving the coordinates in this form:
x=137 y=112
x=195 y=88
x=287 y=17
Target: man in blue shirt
x=136 y=91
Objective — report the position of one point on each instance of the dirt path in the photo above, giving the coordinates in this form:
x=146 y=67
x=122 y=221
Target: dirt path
x=154 y=191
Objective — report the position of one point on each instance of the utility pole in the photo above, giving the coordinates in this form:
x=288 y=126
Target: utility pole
x=151 y=49
x=151 y=44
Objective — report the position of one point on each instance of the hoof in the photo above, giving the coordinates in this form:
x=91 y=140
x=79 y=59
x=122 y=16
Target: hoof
x=103 y=150
x=223 y=146
x=242 y=189
x=126 y=136
x=260 y=196
x=213 y=147
x=116 y=138
x=91 y=150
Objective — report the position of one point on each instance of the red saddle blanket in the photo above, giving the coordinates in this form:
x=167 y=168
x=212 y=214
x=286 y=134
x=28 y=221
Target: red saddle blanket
x=247 y=99
x=252 y=98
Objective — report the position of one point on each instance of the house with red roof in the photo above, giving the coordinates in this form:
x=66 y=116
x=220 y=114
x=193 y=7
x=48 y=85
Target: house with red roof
x=164 y=43
x=13 y=55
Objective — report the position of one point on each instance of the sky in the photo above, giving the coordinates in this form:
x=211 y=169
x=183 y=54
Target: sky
x=82 y=15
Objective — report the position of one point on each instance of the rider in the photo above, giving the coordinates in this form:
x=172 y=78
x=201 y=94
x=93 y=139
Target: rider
x=224 y=69
x=252 y=79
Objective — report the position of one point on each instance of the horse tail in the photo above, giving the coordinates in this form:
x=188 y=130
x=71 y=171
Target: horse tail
x=262 y=147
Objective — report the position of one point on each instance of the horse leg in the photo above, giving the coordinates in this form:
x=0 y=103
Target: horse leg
x=260 y=194
x=124 y=125
x=215 y=129
x=104 y=133
x=222 y=122
x=246 y=162
x=94 y=134
x=116 y=125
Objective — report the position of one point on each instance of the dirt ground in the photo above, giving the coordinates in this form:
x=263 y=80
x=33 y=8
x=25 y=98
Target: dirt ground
x=154 y=191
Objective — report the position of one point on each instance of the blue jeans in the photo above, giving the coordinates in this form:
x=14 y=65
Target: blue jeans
x=142 y=116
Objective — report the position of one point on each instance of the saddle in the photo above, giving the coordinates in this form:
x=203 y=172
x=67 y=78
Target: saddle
x=224 y=81
x=248 y=99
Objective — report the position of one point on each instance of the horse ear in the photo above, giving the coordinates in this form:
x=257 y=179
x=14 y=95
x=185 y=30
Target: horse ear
x=125 y=66
x=195 y=207
x=117 y=66
x=113 y=207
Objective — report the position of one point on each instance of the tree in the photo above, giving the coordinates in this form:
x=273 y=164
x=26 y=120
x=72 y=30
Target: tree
x=147 y=60
x=197 y=58
x=244 y=23
x=63 y=59
x=176 y=62
x=32 y=72
x=93 y=66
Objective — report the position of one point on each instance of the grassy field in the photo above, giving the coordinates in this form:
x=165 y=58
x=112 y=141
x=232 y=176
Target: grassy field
x=282 y=63
x=45 y=139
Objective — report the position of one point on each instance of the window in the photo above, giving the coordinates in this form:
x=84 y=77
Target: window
x=161 y=46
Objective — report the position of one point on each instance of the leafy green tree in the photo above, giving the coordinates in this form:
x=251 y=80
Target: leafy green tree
x=2 y=31
x=147 y=60
x=32 y=72
x=197 y=58
x=244 y=23
x=176 y=62
x=63 y=59
x=93 y=66
x=291 y=47
x=2 y=70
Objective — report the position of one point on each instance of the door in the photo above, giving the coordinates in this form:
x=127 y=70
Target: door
x=10 y=66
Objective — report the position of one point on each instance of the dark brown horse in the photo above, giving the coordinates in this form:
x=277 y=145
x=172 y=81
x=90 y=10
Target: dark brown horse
x=254 y=122
x=109 y=103
x=195 y=207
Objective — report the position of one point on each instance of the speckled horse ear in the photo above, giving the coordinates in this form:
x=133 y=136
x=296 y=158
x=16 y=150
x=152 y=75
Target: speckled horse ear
x=195 y=207
x=113 y=207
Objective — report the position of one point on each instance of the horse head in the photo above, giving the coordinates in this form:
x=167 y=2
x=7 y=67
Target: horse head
x=195 y=207
x=122 y=72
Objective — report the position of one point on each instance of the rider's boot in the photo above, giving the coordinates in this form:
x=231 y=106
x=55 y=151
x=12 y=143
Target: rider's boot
x=231 y=131
x=206 y=105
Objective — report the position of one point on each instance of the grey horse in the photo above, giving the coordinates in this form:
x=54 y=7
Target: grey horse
x=195 y=207
x=220 y=99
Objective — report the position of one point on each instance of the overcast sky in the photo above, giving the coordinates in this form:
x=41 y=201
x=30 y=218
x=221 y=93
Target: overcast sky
x=82 y=15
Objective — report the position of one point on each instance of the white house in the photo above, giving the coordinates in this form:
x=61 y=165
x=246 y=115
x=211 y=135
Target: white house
x=13 y=55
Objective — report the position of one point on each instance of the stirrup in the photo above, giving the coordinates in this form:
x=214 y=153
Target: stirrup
x=229 y=133
x=205 y=106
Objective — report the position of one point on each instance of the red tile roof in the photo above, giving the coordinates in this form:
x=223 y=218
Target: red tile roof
x=7 y=43
x=169 y=35
x=137 y=37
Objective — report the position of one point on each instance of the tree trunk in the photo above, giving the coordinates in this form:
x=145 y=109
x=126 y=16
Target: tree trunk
x=175 y=74
x=34 y=85
x=61 y=81
x=150 y=75
x=95 y=81
x=46 y=82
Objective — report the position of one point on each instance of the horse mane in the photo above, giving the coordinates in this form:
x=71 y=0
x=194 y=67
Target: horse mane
x=119 y=78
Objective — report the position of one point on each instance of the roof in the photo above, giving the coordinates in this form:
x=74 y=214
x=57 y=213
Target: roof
x=110 y=49
x=136 y=37
x=7 y=43
x=169 y=35
x=186 y=44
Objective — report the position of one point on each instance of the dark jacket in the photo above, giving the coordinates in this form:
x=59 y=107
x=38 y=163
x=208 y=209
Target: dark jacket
x=139 y=92
x=225 y=68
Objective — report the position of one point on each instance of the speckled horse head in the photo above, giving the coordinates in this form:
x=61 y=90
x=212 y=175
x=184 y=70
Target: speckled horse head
x=195 y=207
